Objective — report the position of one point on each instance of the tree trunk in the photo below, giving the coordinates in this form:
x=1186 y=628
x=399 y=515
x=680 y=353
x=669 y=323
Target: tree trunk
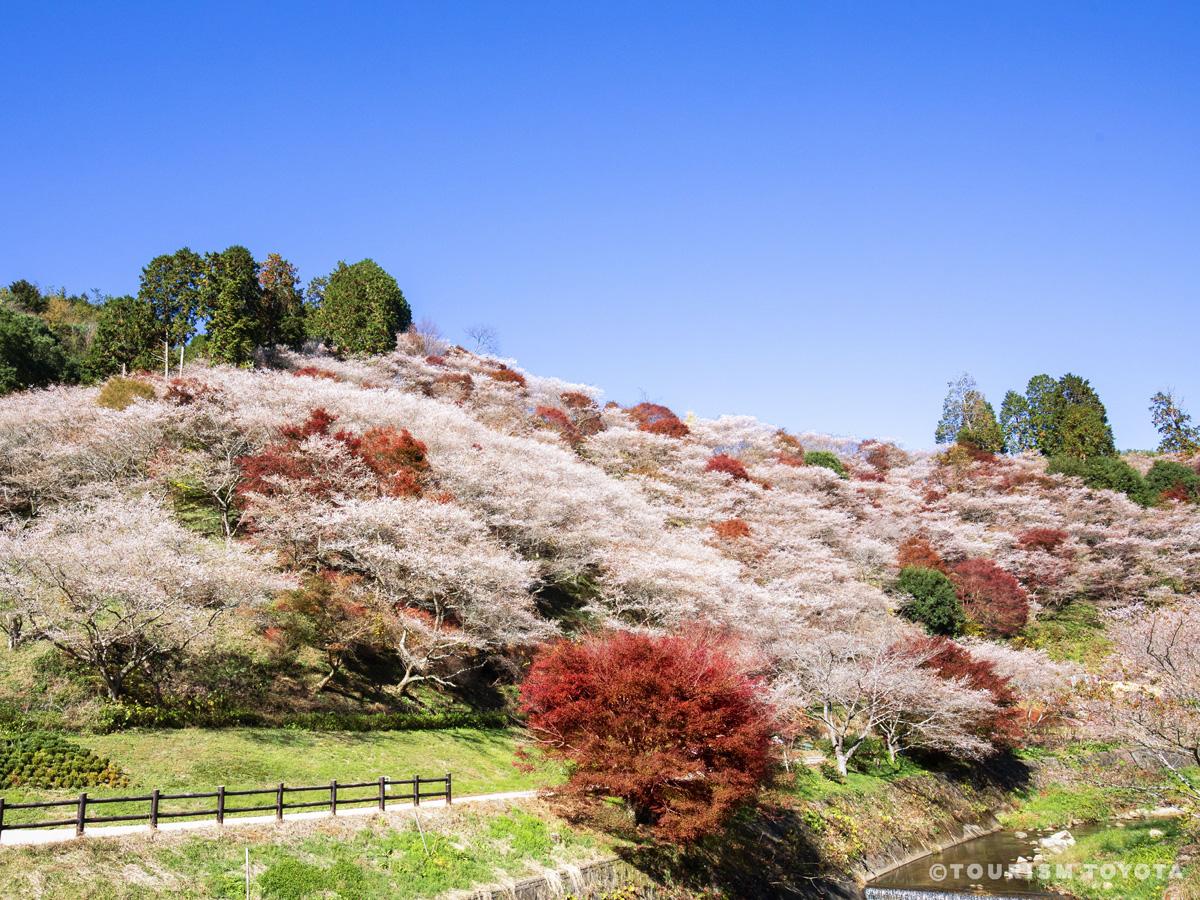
x=840 y=758
x=15 y=625
x=112 y=683
x=333 y=670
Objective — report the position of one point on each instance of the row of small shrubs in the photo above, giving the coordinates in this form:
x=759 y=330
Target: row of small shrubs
x=118 y=717
x=399 y=721
x=44 y=760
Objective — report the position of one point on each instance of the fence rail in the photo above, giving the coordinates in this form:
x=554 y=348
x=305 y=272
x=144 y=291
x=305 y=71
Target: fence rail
x=332 y=800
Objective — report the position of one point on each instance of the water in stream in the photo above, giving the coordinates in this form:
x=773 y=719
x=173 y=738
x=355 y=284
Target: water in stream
x=969 y=870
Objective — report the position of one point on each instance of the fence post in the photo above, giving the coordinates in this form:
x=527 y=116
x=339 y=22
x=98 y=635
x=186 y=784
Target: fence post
x=383 y=792
x=81 y=814
x=154 y=809
x=221 y=804
x=449 y=792
x=416 y=790
x=1 y=818
x=333 y=797
x=279 y=803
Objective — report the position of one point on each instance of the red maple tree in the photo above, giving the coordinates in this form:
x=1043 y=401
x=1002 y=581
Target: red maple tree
x=396 y=457
x=991 y=596
x=559 y=421
x=673 y=725
x=952 y=661
x=657 y=419
x=1048 y=539
x=917 y=551
x=727 y=465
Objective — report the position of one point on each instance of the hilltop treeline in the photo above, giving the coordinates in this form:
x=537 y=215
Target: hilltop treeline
x=223 y=306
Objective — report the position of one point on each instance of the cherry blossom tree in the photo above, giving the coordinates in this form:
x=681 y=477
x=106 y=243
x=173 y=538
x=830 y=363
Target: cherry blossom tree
x=116 y=585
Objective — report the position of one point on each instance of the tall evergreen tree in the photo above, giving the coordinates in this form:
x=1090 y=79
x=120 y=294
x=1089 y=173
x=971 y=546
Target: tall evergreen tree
x=26 y=296
x=171 y=285
x=361 y=309
x=1040 y=396
x=1016 y=424
x=232 y=303
x=126 y=338
x=1061 y=417
x=1083 y=428
x=30 y=354
x=283 y=312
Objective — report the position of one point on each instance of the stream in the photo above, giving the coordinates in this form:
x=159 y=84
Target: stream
x=971 y=869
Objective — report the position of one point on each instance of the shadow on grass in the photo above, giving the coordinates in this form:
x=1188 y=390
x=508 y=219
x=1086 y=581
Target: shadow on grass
x=767 y=850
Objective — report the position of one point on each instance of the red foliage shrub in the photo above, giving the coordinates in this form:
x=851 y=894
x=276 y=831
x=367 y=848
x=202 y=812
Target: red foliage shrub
x=261 y=470
x=991 y=596
x=1177 y=492
x=658 y=419
x=560 y=422
x=917 y=551
x=883 y=456
x=396 y=457
x=186 y=391
x=727 y=465
x=509 y=376
x=315 y=372
x=791 y=443
x=953 y=661
x=795 y=460
x=576 y=400
x=584 y=412
x=436 y=360
x=1048 y=539
x=977 y=453
x=731 y=529
x=670 y=724
x=318 y=422
x=869 y=475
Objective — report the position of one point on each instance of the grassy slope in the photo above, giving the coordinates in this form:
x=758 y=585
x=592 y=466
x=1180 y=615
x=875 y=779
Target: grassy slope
x=344 y=858
x=193 y=760
x=481 y=760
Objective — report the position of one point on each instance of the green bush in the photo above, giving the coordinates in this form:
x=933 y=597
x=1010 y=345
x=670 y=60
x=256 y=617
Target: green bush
x=825 y=460
x=1174 y=479
x=43 y=760
x=192 y=713
x=400 y=721
x=203 y=714
x=118 y=393
x=1110 y=473
x=933 y=602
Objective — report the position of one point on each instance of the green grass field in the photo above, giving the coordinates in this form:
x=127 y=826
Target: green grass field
x=1132 y=863
x=346 y=858
x=195 y=760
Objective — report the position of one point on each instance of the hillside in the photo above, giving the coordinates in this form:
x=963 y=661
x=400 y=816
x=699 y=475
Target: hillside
x=476 y=509
x=384 y=542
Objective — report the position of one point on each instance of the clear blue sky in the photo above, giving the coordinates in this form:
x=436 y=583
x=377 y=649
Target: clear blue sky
x=815 y=213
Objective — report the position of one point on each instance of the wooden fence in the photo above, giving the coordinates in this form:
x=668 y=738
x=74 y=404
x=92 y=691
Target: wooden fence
x=332 y=800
